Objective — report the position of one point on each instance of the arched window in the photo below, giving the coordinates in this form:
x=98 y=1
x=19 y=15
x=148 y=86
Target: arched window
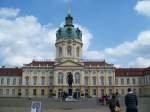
x=60 y=78
x=34 y=80
x=102 y=80
x=86 y=81
x=77 y=78
x=42 y=80
x=60 y=51
x=94 y=80
x=69 y=50
x=110 y=80
x=78 y=52
x=27 y=80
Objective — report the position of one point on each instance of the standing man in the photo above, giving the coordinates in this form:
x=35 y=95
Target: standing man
x=131 y=101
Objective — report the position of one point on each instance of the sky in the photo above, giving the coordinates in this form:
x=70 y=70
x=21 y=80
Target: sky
x=117 y=31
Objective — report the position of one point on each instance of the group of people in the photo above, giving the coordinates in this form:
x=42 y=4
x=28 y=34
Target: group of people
x=130 y=101
x=104 y=100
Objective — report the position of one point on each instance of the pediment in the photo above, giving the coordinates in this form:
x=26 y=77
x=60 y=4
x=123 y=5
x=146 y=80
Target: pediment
x=69 y=63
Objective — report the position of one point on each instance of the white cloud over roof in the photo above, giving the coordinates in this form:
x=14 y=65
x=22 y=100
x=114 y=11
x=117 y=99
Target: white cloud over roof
x=24 y=38
x=143 y=7
x=8 y=12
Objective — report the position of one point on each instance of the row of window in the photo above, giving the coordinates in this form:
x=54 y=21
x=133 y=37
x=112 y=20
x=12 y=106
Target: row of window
x=61 y=78
x=101 y=72
x=102 y=80
x=34 y=92
x=39 y=72
x=8 y=92
x=13 y=92
x=9 y=81
x=69 y=51
x=128 y=81
x=35 y=80
x=147 y=79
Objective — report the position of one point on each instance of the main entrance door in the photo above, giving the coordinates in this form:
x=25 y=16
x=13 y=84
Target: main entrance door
x=76 y=94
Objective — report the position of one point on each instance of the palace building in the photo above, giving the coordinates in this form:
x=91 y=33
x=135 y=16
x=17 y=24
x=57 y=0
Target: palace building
x=91 y=78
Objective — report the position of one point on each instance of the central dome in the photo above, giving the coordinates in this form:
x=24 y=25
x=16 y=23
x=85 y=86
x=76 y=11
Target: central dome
x=68 y=31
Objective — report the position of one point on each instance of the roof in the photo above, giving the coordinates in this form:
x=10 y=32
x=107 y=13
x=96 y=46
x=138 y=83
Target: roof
x=40 y=63
x=147 y=71
x=69 y=31
x=96 y=63
x=127 y=72
x=10 y=71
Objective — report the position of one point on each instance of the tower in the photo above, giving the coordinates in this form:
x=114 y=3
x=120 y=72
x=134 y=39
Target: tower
x=68 y=42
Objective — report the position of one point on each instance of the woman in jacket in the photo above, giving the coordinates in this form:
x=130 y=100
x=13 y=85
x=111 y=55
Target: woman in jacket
x=114 y=104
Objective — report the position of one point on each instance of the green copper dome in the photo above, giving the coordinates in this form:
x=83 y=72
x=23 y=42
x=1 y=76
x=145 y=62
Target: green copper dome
x=68 y=31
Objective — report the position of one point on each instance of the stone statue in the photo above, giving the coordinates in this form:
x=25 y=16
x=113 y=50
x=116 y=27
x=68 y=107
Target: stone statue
x=70 y=79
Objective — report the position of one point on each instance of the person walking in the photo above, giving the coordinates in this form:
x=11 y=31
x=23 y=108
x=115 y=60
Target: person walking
x=131 y=101
x=114 y=104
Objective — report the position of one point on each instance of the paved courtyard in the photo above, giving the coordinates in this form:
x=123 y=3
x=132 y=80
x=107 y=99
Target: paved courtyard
x=51 y=105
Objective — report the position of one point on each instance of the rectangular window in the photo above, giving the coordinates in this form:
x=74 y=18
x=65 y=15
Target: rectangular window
x=134 y=81
x=8 y=81
x=42 y=92
x=34 y=92
x=34 y=80
x=19 y=92
x=13 y=92
x=86 y=81
x=110 y=91
x=122 y=81
x=102 y=92
x=77 y=78
x=51 y=81
x=110 y=80
x=116 y=81
x=2 y=81
x=14 y=81
x=140 y=81
x=27 y=80
x=43 y=81
x=20 y=81
x=1 y=92
x=7 y=92
x=102 y=80
x=26 y=92
x=94 y=80
x=94 y=92
x=128 y=81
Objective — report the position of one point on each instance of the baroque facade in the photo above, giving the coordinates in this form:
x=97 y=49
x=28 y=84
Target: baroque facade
x=91 y=78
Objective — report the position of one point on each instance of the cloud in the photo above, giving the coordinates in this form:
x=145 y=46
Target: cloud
x=86 y=37
x=143 y=7
x=23 y=39
x=126 y=53
x=140 y=62
x=8 y=12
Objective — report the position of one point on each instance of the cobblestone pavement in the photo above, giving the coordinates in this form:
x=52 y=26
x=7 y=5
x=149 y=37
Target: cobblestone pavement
x=51 y=105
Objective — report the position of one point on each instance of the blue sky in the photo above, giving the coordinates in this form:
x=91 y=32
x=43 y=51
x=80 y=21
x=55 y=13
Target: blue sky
x=115 y=30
